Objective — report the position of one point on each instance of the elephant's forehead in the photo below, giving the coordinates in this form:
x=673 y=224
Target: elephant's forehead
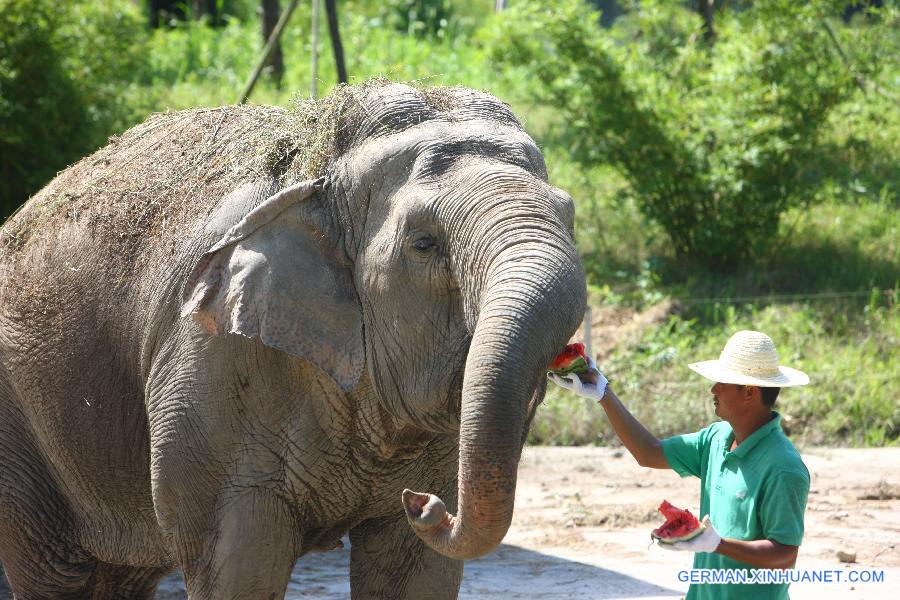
x=428 y=150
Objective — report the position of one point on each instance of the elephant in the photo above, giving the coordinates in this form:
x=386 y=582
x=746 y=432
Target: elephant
x=234 y=335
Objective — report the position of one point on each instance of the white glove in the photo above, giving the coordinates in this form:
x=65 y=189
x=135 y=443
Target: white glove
x=707 y=541
x=573 y=383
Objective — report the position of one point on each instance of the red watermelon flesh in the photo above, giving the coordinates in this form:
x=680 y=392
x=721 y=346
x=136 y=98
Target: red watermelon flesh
x=680 y=525
x=573 y=359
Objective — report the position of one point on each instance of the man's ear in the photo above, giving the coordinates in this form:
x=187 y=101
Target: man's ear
x=752 y=393
x=279 y=276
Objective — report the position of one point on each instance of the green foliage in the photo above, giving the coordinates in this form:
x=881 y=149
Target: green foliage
x=194 y=53
x=66 y=82
x=836 y=247
x=823 y=301
x=714 y=142
x=29 y=126
x=191 y=64
x=421 y=18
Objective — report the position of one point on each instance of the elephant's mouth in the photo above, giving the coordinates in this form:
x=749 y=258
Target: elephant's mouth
x=537 y=397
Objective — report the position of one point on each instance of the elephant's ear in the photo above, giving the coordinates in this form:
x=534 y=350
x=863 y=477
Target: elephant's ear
x=277 y=276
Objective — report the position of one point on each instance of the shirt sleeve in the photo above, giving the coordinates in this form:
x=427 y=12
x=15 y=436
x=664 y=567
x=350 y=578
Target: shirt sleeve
x=782 y=508
x=685 y=452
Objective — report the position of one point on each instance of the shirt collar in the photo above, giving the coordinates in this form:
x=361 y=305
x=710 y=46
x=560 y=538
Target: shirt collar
x=753 y=439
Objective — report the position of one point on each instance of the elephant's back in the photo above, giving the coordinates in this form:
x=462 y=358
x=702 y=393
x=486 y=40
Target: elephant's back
x=155 y=179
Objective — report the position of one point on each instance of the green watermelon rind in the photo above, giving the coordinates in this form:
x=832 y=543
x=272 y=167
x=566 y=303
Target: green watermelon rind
x=683 y=538
x=579 y=365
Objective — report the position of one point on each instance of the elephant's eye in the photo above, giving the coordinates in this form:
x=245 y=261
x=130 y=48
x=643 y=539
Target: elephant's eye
x=424 y=243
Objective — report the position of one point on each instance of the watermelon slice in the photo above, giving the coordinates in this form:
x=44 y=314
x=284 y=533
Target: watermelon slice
x=573 y=359
x=680 y=525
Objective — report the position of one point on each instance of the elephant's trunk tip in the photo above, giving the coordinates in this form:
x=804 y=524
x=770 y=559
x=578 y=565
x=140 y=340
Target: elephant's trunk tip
x=440 y=530
x=427 y=513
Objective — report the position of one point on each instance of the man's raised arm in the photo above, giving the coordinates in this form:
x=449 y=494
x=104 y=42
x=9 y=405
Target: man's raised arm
x=643 y=445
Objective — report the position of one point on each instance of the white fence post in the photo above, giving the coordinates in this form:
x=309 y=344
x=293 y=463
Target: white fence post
x=586 y=329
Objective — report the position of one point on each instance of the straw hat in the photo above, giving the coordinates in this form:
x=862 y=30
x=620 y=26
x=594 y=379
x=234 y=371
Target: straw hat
x=750 y=358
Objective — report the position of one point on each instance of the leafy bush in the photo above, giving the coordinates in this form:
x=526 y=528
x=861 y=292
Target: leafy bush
x=64 y=69
x=191 y=51
x=716 y=142
x=422 y=18
x=33 y=117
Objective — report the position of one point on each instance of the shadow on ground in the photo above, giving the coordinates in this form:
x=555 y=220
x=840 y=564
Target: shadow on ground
x=509 y=572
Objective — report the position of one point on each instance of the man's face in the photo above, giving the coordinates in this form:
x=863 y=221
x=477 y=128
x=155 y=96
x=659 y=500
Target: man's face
x=730 y=400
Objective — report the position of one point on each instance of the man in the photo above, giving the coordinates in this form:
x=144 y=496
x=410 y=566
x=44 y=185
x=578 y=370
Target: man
x=753 y=483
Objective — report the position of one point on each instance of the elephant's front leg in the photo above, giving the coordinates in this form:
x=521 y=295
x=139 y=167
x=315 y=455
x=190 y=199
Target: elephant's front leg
x=229 y=528
x=248 y=554
x=388 y=561
x=219 y=422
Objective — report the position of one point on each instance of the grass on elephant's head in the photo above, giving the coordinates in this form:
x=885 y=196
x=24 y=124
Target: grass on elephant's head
x=156 y=174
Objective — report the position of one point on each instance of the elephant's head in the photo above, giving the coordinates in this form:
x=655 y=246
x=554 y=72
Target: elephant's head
x=434 y=255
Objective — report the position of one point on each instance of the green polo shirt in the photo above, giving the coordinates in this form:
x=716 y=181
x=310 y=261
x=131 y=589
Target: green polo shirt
x=756 y=492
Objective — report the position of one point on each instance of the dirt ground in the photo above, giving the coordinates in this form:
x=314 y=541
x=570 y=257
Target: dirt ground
x=583 y=518
x=588 y=503
x=581 y=531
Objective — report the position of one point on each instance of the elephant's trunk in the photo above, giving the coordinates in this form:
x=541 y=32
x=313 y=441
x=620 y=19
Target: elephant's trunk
x=532 y=300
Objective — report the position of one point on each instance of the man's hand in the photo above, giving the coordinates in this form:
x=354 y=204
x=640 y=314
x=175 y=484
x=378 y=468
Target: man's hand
x=707 y=541
x=591 y=385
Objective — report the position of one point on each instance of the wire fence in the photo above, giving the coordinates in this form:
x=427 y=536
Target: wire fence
x=889 y=295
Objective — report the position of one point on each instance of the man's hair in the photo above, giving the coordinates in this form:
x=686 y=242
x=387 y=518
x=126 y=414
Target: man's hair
x=769 y=395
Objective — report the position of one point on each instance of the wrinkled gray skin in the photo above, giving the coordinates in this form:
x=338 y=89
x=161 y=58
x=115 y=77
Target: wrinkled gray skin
x=280 y=371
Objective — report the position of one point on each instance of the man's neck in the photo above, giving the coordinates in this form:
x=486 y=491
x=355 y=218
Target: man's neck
x=744 y=427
